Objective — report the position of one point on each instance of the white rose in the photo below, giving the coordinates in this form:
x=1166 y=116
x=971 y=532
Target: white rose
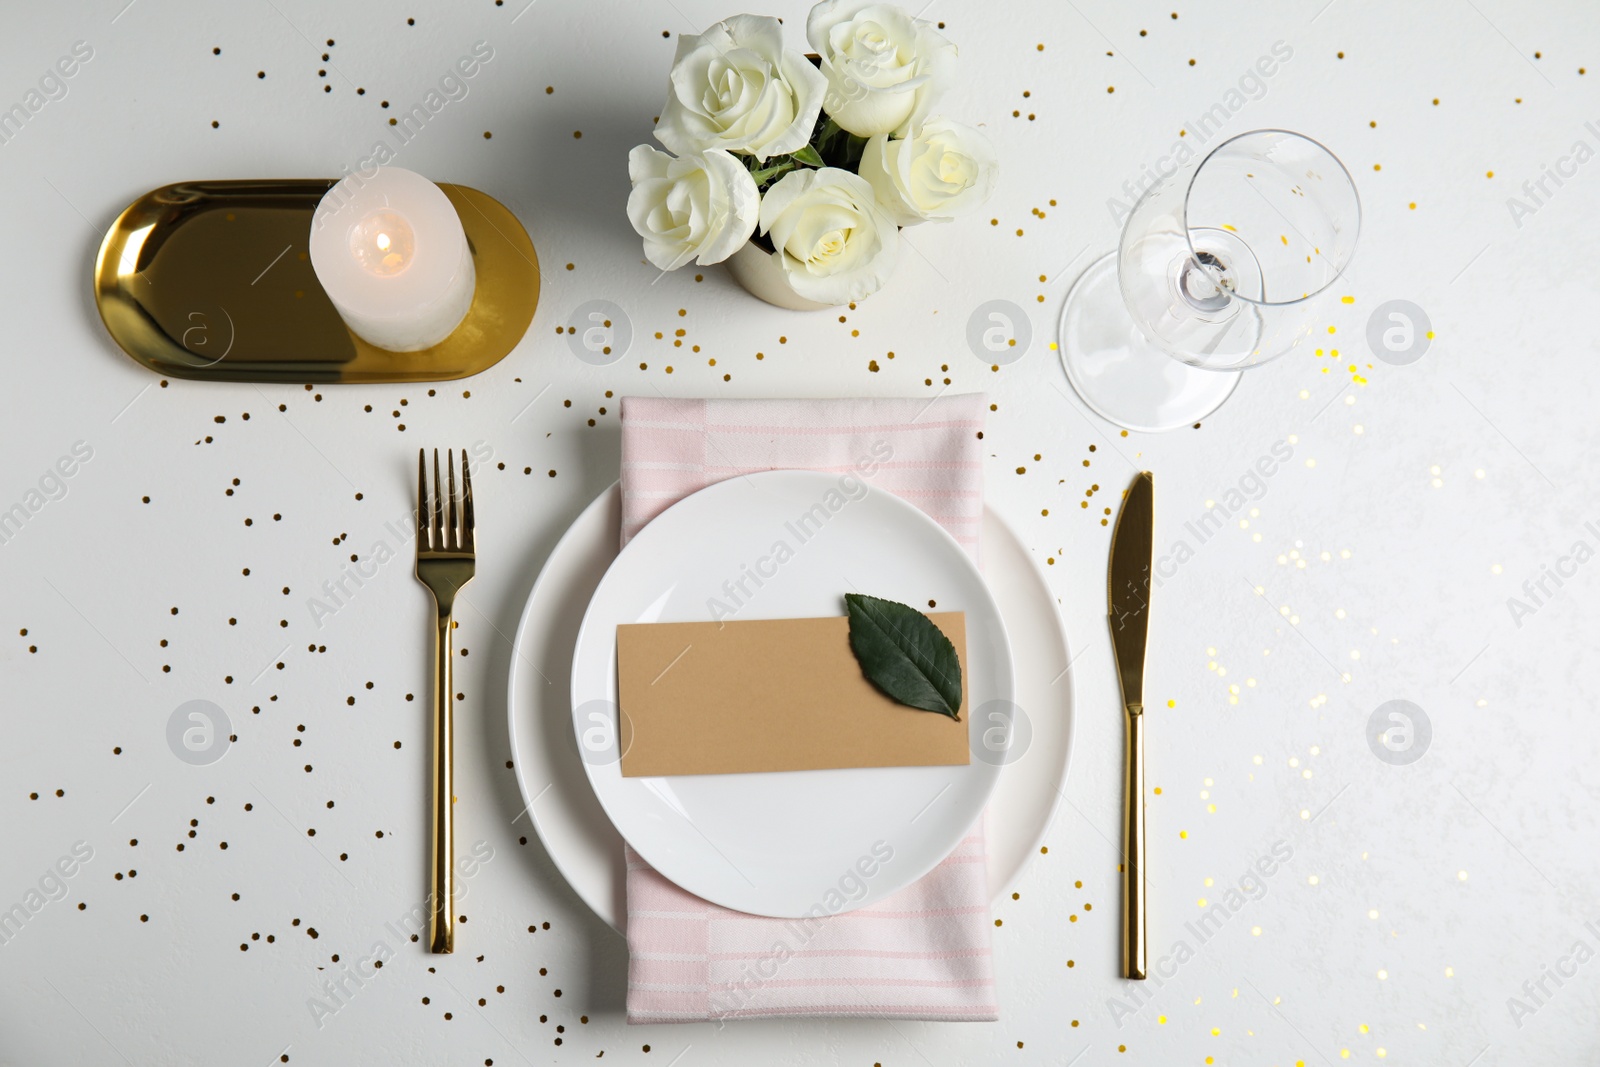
x=946 y=169
x=884 y=68
x=835 y=242
x=735 y=87
x=701 y=207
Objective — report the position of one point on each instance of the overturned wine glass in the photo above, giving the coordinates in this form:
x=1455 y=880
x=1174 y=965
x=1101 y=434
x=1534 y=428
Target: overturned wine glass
x=1224 y=264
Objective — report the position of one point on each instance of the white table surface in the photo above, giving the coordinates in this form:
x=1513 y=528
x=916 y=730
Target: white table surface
x=1376 y=565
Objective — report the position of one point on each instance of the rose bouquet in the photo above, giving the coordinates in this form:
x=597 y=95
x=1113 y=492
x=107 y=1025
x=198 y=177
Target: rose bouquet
x=800 y=170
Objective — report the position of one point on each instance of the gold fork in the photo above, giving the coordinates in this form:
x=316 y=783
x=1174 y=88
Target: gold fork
x=446 y=557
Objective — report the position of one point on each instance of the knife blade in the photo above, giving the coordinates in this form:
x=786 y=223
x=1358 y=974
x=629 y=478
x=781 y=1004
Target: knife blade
x=1128 y=593
x=1128 y=612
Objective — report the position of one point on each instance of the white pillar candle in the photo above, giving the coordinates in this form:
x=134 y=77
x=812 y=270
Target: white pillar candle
x=391 y=255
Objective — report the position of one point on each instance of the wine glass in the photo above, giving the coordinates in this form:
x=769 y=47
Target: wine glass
x=1225 y=263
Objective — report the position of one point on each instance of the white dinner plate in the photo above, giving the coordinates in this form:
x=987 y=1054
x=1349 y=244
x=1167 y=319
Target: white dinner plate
x=564 y=810
x=778 y=843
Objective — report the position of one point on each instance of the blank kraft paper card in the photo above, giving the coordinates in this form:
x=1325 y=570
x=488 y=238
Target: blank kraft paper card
x=769 y=695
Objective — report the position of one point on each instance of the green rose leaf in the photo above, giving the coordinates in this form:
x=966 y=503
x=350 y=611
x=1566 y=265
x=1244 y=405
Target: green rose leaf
x=809 y=156
x=904 y=654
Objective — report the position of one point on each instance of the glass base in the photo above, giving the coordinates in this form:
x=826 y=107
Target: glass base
x=1118 y=372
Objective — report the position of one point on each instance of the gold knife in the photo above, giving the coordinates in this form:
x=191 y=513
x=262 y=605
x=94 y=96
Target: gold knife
x=1128 y=605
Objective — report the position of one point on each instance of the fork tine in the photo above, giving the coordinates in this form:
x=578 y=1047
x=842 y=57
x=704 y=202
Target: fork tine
x=453 y=536
x=438 y=506
x=468 y=539
x=422 y=500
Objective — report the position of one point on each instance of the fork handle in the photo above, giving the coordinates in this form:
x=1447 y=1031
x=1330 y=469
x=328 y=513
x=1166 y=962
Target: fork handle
x=442 y=927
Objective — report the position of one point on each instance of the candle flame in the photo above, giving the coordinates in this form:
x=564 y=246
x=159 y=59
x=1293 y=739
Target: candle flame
x=383 y=242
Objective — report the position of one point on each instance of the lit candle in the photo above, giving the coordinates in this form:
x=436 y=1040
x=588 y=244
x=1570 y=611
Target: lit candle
x=391 y=255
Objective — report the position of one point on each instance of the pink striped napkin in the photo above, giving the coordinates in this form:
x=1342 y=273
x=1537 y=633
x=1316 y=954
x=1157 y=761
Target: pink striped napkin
x=923 y=953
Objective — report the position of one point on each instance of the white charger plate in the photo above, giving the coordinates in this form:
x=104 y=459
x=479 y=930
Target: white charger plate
x=574 y=828
x=788 y=544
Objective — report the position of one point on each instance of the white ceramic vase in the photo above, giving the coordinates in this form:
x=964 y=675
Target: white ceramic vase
x=761 y=275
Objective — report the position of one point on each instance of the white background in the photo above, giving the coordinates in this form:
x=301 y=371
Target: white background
x=1418 y=499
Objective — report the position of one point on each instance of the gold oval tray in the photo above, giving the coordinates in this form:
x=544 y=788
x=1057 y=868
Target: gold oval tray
x=212 y=280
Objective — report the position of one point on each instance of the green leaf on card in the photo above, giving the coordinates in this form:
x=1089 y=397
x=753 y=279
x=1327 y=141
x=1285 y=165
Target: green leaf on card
x=904 y=654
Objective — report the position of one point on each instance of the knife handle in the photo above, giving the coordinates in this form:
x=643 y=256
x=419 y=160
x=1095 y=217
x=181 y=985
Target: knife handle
x=1133 y=917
